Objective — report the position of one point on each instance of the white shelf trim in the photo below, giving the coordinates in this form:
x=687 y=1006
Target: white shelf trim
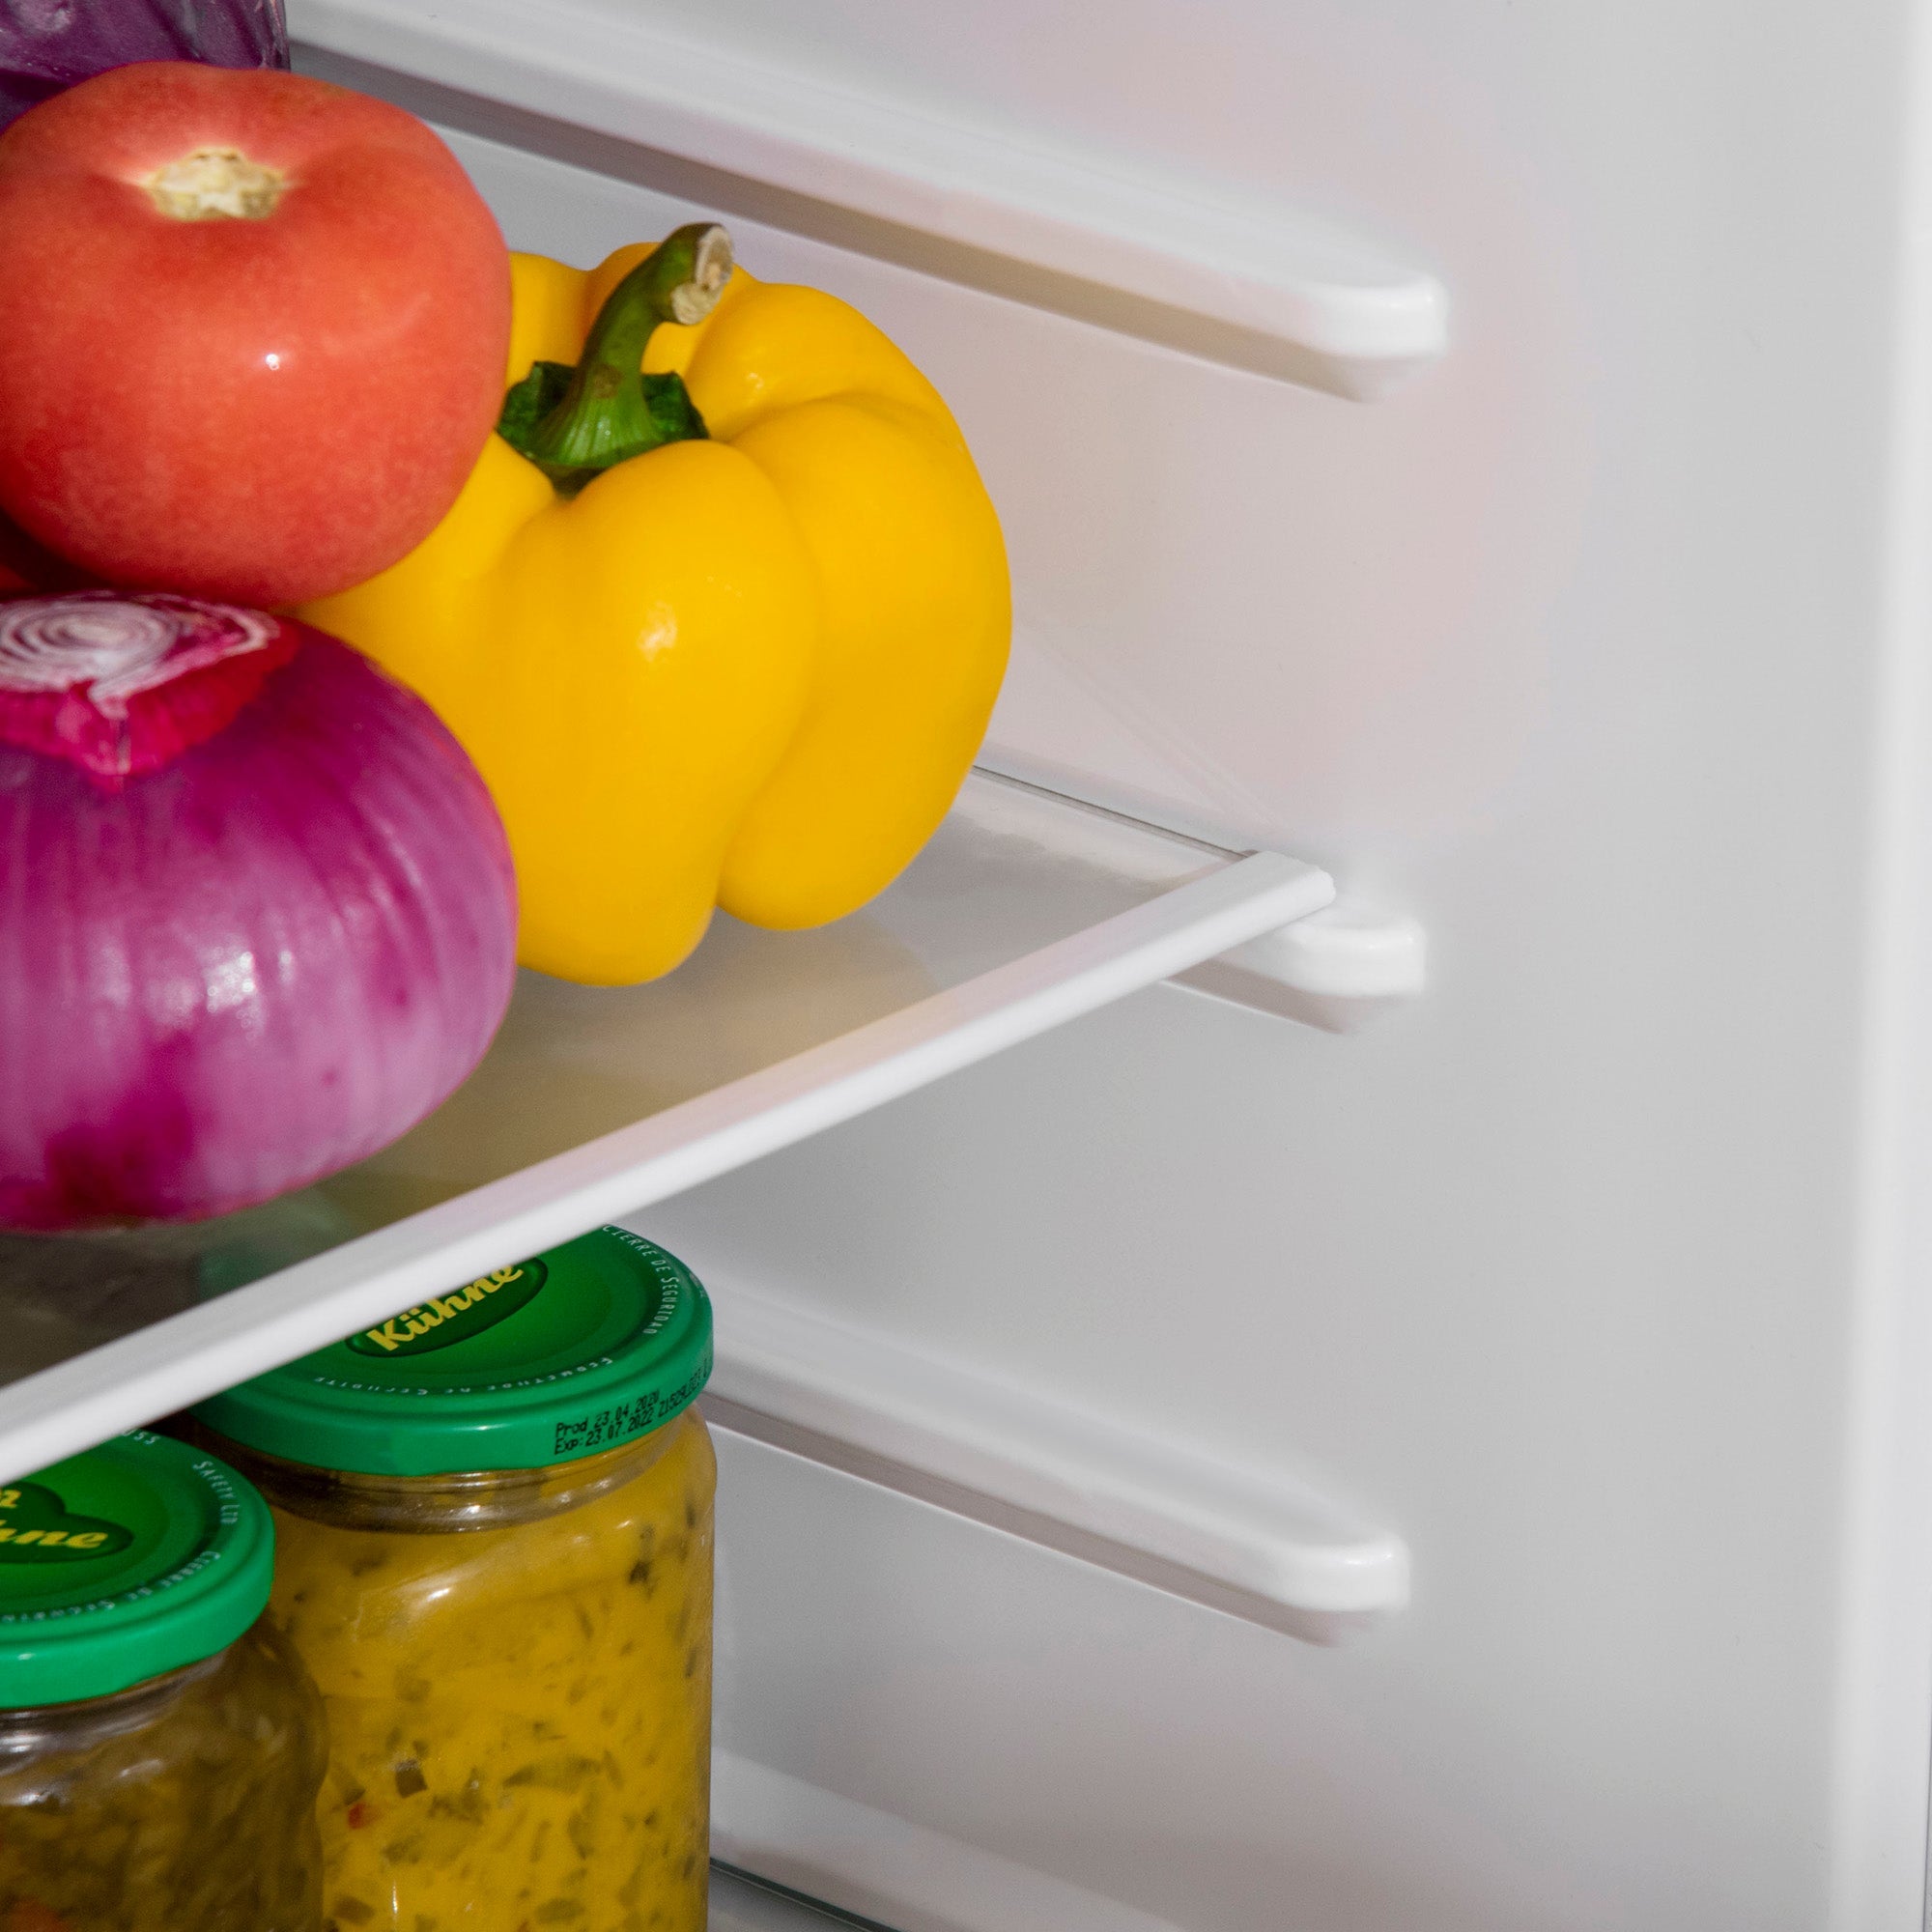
x=1348 y=317
x=889 y=1869
x=1257 y=1544
x=177 y=1361
x=1340 y=969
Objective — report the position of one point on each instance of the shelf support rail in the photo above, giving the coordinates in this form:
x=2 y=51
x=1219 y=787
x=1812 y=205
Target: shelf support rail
x=1265 y=1545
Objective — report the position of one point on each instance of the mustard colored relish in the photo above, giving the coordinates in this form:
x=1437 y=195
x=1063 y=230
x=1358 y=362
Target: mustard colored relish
x=519 y=1717
x=494 y=1525
x=184 y=1805
x=160 y=1745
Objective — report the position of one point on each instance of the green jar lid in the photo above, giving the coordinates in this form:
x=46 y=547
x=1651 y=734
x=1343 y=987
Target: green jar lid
x=131 y=1560
x=588 y=1344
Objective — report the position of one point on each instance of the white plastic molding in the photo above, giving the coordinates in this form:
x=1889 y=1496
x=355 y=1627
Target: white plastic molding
x=1269 y=288
x=889 y=1869
x=1259 y=1545
x=1339 y=969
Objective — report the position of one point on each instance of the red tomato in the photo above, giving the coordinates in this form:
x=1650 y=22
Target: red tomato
x=252 y=330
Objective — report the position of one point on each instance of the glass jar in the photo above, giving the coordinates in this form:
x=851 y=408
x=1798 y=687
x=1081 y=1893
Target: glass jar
x=160 y=1745
x=496 y=1560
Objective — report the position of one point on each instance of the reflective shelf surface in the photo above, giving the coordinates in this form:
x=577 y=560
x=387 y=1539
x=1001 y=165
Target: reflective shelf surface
x=1025 y=911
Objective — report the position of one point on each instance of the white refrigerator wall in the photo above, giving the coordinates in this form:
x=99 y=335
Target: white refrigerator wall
x=1599 y=648
x=1596 y=649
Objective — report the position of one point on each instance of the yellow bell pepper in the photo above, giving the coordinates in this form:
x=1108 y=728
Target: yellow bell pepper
x=750 y=667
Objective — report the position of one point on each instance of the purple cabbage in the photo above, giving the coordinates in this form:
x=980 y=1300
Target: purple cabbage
x=48 y=44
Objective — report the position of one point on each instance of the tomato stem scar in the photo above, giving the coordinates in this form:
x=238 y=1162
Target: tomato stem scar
x=215 y=184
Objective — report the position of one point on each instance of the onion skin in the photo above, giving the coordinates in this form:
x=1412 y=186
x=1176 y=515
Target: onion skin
x=47 y=47
x=230 y=977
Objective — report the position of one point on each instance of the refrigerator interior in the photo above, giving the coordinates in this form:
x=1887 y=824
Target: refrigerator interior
x=1425 y=1451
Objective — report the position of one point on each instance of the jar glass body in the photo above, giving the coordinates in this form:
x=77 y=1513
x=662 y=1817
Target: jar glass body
x=187 y=1803
x=517 y=1671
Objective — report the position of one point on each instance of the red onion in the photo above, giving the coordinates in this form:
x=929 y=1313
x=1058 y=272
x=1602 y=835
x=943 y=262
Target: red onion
x=257 y=915
x=48 y=44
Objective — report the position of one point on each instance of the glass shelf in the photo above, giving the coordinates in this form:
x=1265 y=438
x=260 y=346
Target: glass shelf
x=1027 y=910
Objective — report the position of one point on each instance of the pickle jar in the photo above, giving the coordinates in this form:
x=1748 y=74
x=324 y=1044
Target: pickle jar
x=494 y=1517
x=160 y=1745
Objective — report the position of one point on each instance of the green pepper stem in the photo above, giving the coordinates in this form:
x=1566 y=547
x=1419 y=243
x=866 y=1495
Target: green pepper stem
x=603 y=416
